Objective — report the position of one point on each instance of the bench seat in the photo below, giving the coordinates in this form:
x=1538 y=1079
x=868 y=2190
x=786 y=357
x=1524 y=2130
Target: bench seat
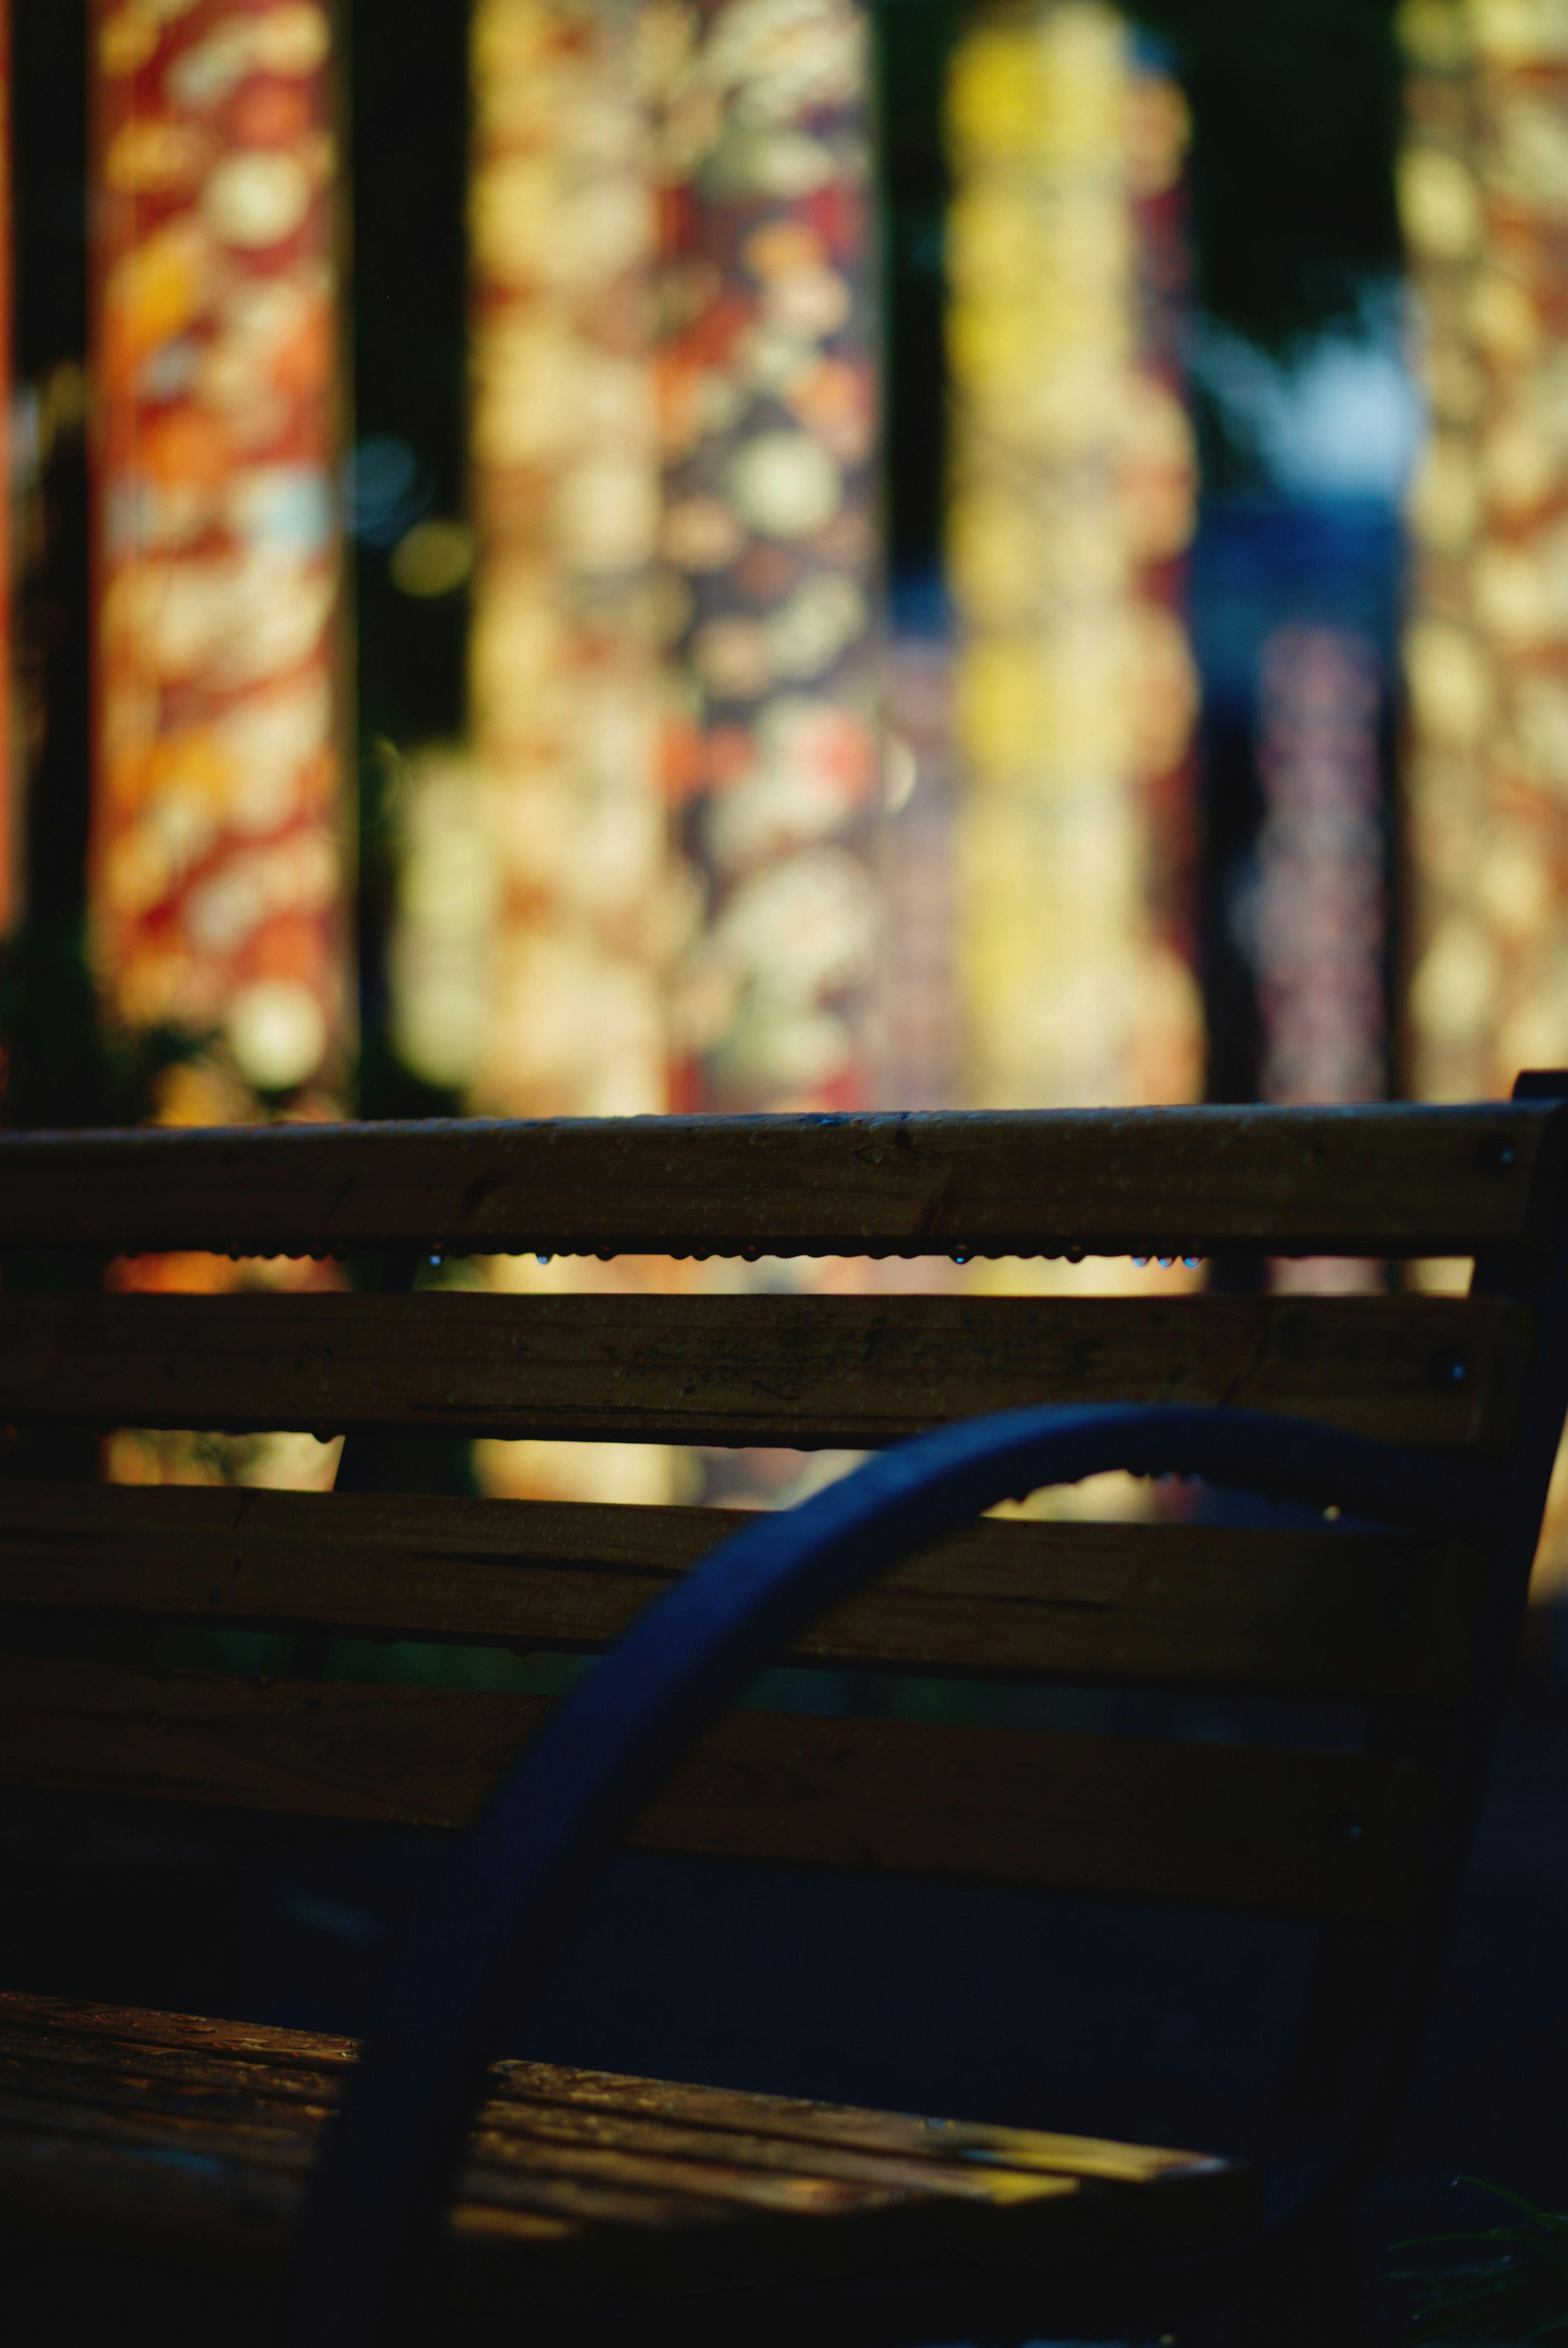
x=176 y=2137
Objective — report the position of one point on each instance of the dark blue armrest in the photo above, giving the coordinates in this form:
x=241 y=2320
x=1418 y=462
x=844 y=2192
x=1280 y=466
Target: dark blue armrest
x=519 y=1884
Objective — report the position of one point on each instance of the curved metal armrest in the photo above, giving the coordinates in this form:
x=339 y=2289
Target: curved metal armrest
x=488 y=1939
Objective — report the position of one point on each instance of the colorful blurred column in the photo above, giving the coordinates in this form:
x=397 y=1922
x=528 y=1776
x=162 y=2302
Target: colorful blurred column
x=536 y=936
x=1158 y=511
x=1071 y=497
x=1317 y=915
x=768 y=415
x=1483 y=196
x=220 y=828
x=672 y=425
x=1313 y=917
x=537 y=916
x=1483 y=188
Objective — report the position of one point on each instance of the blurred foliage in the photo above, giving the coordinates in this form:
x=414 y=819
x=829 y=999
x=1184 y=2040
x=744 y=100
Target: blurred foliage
x=1296 y=115
x=407 y=105
x=413 y=1463
x=49 y=160
x=60 y=1064
x=384 y=1086
x=912 y=41
x=63 y=1062
x=408 y=118
x=1511 y=2289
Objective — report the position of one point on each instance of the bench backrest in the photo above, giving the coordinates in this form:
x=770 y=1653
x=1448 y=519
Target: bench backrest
x=1416 y=1633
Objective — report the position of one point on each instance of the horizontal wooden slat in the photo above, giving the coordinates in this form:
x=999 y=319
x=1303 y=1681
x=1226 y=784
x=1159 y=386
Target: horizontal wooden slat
x=172 y=2133
x=549 y=2205
x=1380 y=1180
x=1302 y=1833
x=796 y=1370
x=1302 y=1612
x=134 y=2055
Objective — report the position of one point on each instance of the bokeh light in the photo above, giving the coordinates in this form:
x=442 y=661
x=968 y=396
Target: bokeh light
x=218 y=828
x=1072 y=494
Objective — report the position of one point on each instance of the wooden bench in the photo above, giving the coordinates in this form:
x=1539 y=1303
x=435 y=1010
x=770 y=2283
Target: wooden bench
x=1423 y=1427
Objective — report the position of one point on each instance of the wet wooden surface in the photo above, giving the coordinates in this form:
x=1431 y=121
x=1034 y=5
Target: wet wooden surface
x=806 y=1371
x=1281 y=1611
x=1373 y=1181
x=193 y=2139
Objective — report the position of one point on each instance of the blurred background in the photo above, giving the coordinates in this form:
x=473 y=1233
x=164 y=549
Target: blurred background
x=579 y=557
x=572 y=556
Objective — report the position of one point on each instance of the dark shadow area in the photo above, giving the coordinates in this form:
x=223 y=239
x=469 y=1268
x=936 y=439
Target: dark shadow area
x=407 y=105
x=1104 y=2018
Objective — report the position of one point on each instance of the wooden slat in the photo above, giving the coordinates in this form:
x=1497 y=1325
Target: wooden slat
x=537 y=2220
x=1383 y=1181
x=542 y=2094
x=231 y=2097
x=1299 y=1612
x=120 y=2049
x=797 y=1370
x=193 y=2137
x=1302 y=1833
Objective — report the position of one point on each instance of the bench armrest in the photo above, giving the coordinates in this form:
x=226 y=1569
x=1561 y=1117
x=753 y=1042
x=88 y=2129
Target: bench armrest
x=487 y=1941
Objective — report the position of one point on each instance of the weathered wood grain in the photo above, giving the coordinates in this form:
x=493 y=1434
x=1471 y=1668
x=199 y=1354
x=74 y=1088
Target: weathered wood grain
x=266 y=2116
x=1298 y=1612
x=797 y=1370
x=539 y=2093
x=1301 y=1833
x=193 y=2139
x=128 y=2049
x=1378 y=1180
